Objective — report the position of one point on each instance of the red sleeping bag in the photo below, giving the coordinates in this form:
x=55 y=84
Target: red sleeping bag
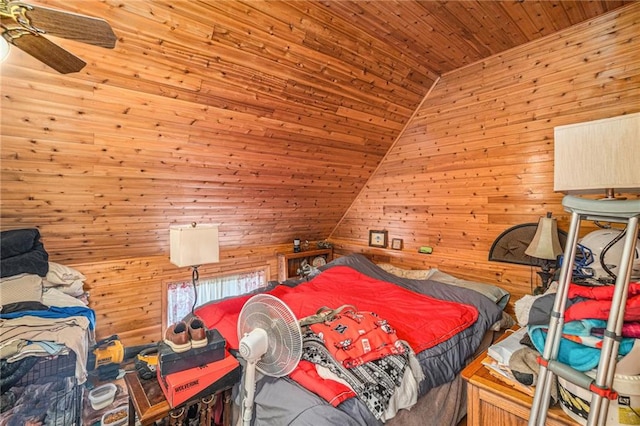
x=420 y=320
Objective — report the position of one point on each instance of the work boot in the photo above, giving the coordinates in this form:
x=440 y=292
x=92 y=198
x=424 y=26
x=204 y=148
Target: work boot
x=177 y=337
x=197 y=332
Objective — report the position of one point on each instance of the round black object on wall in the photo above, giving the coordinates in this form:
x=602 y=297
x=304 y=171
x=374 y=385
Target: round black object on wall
x=509 y=247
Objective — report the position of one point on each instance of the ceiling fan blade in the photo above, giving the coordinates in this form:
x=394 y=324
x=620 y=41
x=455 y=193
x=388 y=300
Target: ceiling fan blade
x=69 y=25
x=49 y=53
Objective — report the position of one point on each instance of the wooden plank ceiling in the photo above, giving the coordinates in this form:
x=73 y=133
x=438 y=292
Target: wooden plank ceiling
x=267 y=117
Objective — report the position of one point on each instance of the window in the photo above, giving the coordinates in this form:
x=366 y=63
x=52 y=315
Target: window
x=178 y=295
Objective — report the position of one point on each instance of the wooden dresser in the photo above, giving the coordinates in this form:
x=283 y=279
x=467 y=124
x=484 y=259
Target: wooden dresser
x=495 y=403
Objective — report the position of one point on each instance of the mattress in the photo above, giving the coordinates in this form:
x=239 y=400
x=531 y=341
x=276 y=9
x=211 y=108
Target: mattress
x=442 y=344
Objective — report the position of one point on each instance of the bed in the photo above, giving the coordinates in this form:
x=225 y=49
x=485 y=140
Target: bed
x=444 y=324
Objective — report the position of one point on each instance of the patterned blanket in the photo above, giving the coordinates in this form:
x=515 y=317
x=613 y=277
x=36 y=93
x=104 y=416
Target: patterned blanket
x=374 y=382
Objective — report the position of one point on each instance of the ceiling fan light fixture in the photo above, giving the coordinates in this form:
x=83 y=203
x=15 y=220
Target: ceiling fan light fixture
x=27 y=27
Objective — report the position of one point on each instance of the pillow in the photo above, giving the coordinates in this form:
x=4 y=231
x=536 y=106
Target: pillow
x=498 y=295
x=413 y=274
x=21 y=288
x=63 y=275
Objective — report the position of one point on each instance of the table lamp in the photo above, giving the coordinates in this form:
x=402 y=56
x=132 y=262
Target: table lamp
x=591 y=158
x=545 y=246
x=194 y=245
x=598 y=157
x=601 y=156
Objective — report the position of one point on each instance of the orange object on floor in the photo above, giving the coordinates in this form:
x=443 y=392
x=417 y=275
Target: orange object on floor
x=200 y=381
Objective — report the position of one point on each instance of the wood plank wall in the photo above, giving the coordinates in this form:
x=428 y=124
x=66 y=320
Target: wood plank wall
x=478 y=156
x=204 y=111
x=126 y=293
x=257 y=116
x=157 y=133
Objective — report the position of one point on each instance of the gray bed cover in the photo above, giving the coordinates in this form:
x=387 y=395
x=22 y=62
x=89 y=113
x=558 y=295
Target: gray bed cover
x=281 y=401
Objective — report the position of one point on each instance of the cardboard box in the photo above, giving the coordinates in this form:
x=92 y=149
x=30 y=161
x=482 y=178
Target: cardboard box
x=200 y=381
x=171 y=362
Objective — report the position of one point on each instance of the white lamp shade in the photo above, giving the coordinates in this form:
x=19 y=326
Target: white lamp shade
x=598 y=155
x=194 y=245
x=545 y=243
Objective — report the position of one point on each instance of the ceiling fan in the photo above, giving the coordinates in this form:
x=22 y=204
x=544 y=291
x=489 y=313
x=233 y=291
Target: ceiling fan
x=25 y=26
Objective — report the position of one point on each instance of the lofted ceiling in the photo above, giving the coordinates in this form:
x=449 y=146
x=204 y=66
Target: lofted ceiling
x=289 y=106
x=443 y=36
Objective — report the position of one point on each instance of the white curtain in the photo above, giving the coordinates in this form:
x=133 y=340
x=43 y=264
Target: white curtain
x=180 y=294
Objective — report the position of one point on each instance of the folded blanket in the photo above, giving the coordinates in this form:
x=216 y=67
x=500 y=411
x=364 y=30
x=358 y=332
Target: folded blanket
x=21 y=251
x=585 y=302
x=579 y=347
x=597 y=302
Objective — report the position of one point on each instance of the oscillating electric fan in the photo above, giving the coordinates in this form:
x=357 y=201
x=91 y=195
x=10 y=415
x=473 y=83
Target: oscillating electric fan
x=270 y=341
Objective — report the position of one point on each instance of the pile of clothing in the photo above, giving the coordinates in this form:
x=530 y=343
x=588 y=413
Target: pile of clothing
x=43 y=314
x=585 y=320
x=358 y=354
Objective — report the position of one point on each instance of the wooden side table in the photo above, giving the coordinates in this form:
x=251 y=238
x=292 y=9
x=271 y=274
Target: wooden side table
x=147 y=401
x=493 y=402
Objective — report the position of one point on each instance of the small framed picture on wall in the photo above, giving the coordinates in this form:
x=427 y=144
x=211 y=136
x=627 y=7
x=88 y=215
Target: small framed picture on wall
x=396 y=244
x=378 y=238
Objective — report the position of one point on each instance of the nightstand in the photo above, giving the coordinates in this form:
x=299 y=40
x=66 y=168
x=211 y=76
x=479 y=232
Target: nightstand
x=147 y=403
x=492 y=402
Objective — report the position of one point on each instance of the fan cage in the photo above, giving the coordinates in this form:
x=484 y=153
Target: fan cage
x=283 y=332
